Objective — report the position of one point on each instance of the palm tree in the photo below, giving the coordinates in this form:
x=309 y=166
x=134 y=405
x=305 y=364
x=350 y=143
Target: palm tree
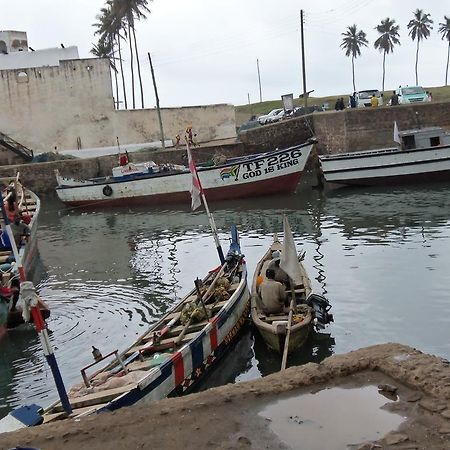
x=105 y=49
x=385 y=43
x=129 y=11
x=352 y=42
x=137 y=9
x=419 y=28
x=109 y=26
x=444 y=29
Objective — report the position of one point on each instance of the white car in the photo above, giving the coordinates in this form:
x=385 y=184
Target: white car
x=267 y=117
x=363 y=97
x=276 y=117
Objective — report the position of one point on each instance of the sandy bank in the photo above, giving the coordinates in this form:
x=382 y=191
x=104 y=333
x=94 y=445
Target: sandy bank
x=227 y=417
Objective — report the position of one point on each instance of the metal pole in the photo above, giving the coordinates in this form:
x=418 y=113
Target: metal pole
x=38 y=320
x=305 y=95
x=259 y=80
x=157 y=102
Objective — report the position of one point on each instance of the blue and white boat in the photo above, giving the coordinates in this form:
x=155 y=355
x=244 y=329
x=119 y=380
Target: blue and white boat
x=169 y=359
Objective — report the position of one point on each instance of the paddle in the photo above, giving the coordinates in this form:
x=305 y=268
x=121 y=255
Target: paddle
x=289 y=326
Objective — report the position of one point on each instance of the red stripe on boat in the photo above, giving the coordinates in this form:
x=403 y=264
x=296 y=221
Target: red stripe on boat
x=213 y=337
x=178 y=366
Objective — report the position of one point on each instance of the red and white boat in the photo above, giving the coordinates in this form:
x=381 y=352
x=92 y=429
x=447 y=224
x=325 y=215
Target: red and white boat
x=147 y=183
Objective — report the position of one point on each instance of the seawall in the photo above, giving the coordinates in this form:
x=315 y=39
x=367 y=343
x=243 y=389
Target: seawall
x=336 y=131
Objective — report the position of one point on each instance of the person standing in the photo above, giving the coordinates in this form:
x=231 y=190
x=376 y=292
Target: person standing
x=394 y=99
x=374 y=100
x=353 y=100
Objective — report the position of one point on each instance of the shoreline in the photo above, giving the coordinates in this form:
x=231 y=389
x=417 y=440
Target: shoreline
x=227 y=416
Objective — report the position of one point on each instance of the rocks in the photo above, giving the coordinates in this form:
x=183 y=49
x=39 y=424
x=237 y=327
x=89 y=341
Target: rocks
x=388 y=388
x=395 y=438
x=432 y=405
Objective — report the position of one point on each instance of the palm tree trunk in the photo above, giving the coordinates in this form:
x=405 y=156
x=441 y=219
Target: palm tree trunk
x=417 y=61
x=384 y=72
x=353 y=73
x=121 y=72
x=132 y=66
x=116 y=80
x=138 y=67
x=446 y=70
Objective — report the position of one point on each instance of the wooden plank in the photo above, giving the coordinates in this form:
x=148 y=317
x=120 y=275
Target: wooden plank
x=186 y=338
x=194 y=327
x=96 y=398
x=48 y=418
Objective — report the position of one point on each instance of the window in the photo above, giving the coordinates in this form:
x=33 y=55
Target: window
x=435 y=141
x=409 y=142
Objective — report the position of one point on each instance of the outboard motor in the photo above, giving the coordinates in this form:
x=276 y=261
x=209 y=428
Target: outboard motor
x=321 y=306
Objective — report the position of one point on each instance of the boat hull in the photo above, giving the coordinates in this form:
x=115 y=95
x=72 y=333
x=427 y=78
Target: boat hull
x=185 y=369
x=266 y=174
x=274 y=333
x=388 y=166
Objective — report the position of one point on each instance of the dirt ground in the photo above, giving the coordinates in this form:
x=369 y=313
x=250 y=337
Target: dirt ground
x=227 y=417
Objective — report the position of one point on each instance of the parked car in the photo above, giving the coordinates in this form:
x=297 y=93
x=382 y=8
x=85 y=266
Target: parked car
x=301 y=110
x=363 y=97
x=266 y=118
x=411 y=94
x=276 y=117
x=252 y=123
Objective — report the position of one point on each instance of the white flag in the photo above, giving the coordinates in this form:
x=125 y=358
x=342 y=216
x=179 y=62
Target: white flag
x=396 y=135
x=289 y=257
x=196 y=187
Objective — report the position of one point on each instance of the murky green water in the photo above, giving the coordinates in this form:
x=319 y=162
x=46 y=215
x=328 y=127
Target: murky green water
x=380 y=256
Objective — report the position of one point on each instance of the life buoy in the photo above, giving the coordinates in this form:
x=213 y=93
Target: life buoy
x=107 y=190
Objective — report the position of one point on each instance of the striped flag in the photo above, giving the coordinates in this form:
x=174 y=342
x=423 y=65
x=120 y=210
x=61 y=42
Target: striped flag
x=196 y=187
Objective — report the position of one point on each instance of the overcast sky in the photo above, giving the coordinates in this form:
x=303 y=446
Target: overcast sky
x=205 y=51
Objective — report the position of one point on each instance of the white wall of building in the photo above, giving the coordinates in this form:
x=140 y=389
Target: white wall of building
x=70 y=104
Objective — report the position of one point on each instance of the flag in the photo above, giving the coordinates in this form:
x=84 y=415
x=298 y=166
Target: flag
x=196 y=187
x=396 y=135
x=289 y=257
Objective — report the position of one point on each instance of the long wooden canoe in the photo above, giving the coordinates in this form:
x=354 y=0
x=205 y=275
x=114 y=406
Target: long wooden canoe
x=173 y=355
x=273 y=327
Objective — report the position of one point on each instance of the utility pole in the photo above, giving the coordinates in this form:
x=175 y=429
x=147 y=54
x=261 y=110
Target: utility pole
x=157 y=103
x=259 y=80
x=305 y=94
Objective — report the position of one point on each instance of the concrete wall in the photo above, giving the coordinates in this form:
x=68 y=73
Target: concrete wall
x=351 y=129
x=49 y=107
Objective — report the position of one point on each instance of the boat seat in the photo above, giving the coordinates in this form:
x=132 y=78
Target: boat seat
x=96 y=398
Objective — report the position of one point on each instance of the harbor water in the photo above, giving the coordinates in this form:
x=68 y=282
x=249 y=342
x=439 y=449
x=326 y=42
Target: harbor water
x=380 y=256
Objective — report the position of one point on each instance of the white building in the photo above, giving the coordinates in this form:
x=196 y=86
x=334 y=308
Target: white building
x=51 y=99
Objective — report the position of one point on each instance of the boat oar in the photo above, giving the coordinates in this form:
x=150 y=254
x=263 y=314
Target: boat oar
x=288 y=328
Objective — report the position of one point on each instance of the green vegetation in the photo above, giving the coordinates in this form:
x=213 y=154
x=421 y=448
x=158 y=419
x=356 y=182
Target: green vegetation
x=419 y=28
x=353 y=40
x=116 y=22
x=385 y=43
x=444 y=30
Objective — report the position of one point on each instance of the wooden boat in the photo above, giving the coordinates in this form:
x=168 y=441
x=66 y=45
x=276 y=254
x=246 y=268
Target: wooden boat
x=312 y=309
x=174 y=354
x=147 y=183
x=28 y=204
x=423 y=156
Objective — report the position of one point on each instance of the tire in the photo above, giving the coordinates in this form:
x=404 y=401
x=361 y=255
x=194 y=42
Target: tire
x=107 y=190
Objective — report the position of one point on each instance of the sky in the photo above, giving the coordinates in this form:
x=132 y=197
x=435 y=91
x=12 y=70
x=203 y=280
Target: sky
x=206 y=51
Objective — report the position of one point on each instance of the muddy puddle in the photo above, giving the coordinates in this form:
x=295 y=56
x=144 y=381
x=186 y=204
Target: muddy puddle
x=333 y=419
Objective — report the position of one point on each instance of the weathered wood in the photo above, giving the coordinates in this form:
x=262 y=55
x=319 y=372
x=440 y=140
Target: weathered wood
x=96 y=398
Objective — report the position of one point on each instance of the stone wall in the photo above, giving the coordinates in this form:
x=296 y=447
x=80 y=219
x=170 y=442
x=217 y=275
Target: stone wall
x=351 y=129
x=62 y=106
